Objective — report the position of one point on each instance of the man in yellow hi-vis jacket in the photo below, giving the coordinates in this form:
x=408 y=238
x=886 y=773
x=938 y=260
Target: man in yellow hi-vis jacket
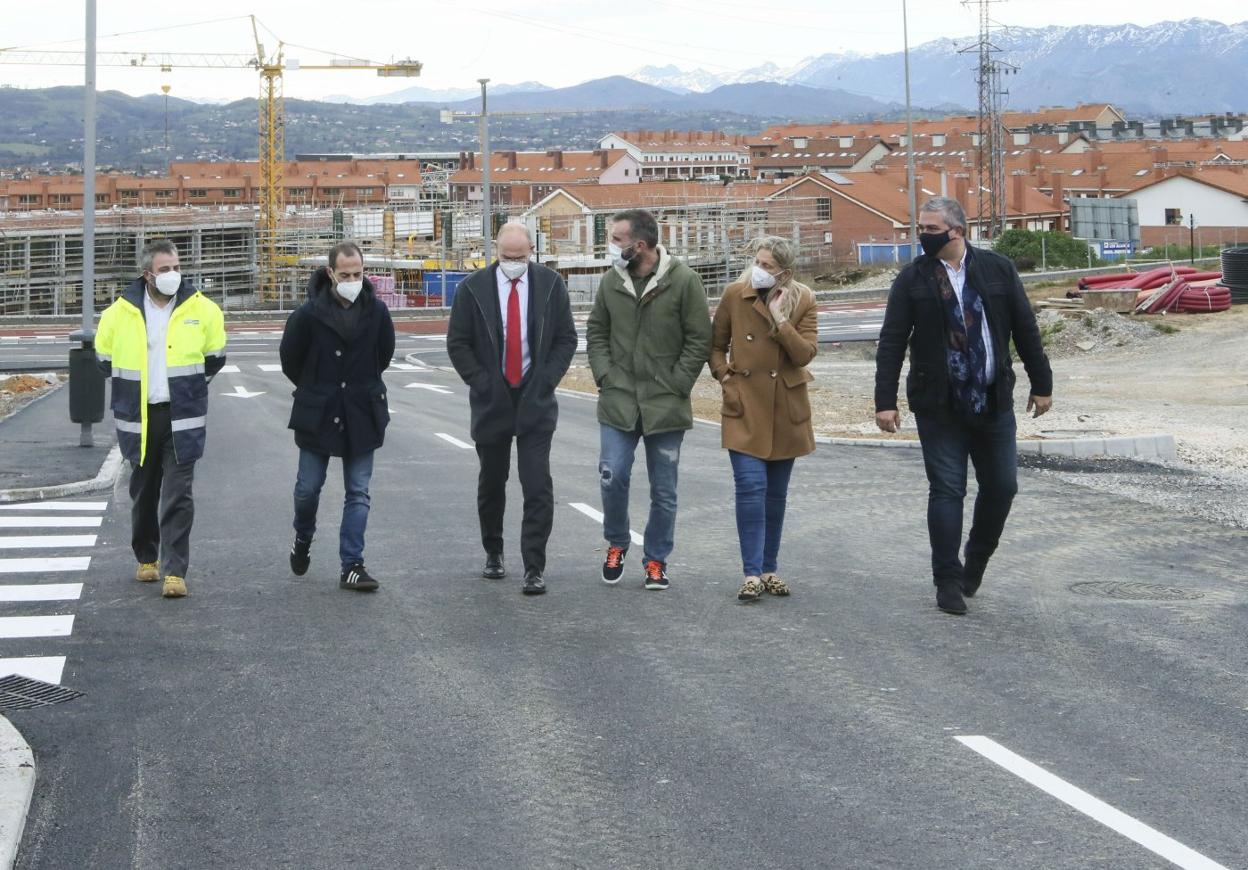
x=162 y=341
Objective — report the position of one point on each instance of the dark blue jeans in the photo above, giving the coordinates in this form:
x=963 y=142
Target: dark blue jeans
x=615 y=468
x=948 y=440
x=357 y=471
x=762 y=493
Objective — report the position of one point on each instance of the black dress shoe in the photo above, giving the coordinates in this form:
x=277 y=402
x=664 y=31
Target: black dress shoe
x=533 y=583
x=949 y=597
x=972 y=576
x=493 y=569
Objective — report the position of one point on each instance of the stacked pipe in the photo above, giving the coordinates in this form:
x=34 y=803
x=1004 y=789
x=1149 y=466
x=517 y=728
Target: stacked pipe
x=1196 y=293
x=1235 y=273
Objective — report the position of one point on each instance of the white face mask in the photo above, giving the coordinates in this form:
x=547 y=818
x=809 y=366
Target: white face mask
x=168 y=282
x=349 y=290
x=617 y=256
x=513 y=269
x=761 y=279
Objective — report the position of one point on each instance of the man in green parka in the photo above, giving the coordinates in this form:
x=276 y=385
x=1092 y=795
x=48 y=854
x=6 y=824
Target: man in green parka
x=648 y=337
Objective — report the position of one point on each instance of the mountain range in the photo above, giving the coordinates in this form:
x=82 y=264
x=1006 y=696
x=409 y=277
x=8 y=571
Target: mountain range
x=1188 y=66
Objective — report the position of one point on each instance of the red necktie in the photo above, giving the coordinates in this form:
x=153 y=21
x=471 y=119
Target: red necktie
x=514 y=363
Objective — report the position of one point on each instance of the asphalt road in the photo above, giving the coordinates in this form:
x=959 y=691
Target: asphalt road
x=446 y=721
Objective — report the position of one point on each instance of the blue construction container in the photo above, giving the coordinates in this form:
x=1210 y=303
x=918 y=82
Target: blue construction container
x=443 y=284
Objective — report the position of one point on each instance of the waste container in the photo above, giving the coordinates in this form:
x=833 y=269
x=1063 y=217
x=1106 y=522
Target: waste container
x=86 y=386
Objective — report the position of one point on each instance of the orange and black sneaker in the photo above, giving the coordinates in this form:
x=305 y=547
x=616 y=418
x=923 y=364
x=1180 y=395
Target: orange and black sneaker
x=613 y=566
x=656 y=575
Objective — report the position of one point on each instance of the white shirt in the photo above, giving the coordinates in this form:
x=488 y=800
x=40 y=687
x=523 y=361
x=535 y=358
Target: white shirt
x=504 y=294
x=157 y=337
x=957 y=277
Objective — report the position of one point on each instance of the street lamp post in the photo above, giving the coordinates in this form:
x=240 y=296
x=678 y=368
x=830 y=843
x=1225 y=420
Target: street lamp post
x=87 y=334
x=487 y=225
x=905 y=35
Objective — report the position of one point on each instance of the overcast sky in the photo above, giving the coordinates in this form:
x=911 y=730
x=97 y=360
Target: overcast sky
x=556 y=42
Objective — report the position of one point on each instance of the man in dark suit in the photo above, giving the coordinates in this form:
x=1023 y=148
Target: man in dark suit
x=511 y=338
x=958 y=308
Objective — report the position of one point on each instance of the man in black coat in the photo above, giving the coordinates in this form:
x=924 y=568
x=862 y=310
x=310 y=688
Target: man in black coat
x=511 y=338
x=958 y=308
x=334 y=349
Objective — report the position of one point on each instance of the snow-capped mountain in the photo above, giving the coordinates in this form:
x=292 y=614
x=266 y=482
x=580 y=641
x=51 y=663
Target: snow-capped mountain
x=1193 y=65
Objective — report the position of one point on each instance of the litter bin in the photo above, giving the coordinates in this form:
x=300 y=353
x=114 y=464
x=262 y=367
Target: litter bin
x=86 y=385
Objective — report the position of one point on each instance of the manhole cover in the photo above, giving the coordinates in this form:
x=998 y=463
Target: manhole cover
x=1135 y=591
x=23 y=693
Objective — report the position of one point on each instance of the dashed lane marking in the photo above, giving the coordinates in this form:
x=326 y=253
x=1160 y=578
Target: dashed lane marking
x=1094 y=808
x=597 y=517
x=451 y=439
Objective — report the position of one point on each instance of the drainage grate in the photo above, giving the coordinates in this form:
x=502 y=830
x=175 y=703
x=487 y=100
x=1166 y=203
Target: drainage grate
x=23 y=693
x=1135 y=591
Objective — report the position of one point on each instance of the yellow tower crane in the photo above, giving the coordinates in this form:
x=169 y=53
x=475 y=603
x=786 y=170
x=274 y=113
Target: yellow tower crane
x=272 y=124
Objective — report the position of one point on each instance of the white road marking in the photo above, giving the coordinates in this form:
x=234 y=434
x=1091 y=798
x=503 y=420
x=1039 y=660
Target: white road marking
x=50 y=522
x=434 y=337
x=46 y=668
x=229 y=369
x=451 y=439
x=1115 y=820
x=270 y=367
x=402 y=366
x=56 y=506
x=36 y=626
x=241 y=392
x=41 y=592
x=597 y=517
x=431 y=388
x=41 y=542
x=44 y=565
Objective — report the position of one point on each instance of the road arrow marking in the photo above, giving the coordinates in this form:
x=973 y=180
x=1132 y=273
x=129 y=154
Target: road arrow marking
x=431 y=387
x=243 y=393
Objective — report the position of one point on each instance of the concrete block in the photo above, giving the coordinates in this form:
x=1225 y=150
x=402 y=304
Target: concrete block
x=1083 y=448
x=1056 y=447
x=1029 y=446
x=1120 y=446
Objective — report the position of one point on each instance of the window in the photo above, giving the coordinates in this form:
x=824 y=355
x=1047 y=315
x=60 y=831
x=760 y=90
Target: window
x=297 y=191
x=61 y=199
x=1174 y=217
x=823 y=208
x=231 y=192
x=129 y=194
x=101 y=199
x=364 y=191
x=196 y=193
x=28 y=199
x=165 y=194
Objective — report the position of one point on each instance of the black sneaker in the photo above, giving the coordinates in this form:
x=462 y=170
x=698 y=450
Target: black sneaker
x=300 y=556
x=656 y=575
x=357 y=577
x=613 y=565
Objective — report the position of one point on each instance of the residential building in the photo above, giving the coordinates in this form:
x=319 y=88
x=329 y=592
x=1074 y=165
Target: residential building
x=689 y=155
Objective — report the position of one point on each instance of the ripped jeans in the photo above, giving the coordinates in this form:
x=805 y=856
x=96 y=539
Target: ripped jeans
x=615 y=466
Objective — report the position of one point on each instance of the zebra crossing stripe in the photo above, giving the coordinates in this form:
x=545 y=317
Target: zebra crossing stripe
x=47 y=668
x=41 y=542
x=50 y=564
x=36 y=626
x=41 y=592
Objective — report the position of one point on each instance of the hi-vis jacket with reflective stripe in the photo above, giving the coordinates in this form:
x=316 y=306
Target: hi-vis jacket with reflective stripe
x=194 y=353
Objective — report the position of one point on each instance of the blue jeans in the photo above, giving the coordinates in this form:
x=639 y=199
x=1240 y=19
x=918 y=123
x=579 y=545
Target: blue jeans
x=357 y=471
x=762 y=493
x=948 y=440
x=615 y=467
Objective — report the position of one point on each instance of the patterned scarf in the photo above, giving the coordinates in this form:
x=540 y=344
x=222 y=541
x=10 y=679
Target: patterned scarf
x=966 y=355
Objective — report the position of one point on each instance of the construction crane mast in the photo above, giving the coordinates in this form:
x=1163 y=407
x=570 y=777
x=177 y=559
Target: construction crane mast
x=271 y=139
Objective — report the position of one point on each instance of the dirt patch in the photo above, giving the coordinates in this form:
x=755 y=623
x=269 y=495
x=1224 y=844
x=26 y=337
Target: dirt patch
x=1074 y=333
x=17 y=391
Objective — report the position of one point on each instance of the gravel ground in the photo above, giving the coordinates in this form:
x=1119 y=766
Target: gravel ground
x=17 y=391
x=1183 y=375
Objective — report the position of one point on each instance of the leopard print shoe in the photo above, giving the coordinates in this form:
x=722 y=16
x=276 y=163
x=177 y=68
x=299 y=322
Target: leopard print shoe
x=751 y=589
x=774 y=585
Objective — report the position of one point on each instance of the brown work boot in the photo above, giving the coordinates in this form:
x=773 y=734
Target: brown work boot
x=148 y=572
x=175 y=587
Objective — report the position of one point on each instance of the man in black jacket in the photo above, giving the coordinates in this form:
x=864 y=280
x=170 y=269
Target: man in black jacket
x=334 y=349
x=958 y=308
x=511 y=338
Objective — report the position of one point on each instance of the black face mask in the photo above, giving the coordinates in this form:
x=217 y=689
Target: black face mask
x=933 y=243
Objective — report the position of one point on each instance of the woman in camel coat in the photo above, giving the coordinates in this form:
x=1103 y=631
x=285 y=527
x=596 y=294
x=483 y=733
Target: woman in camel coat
x=765 y=333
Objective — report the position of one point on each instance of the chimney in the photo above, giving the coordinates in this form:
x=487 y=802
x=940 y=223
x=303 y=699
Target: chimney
x=1033 y=160
x=1161 y=154
x=1059 y=192
x=556 y=159
x=1018 y=192
x=602 y=157
x=944 y=183
x=1092 y=160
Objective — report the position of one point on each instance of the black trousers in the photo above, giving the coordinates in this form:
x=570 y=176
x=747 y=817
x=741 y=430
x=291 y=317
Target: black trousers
x=162 y=508
x=533 y=463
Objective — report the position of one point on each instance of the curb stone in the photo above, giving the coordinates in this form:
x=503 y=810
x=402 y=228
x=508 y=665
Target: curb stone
x=105 y=479
x=1157 y=446
x=17 y=787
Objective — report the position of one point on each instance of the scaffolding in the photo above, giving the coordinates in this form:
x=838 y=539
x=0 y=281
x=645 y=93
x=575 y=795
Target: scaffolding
x=413 y=249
